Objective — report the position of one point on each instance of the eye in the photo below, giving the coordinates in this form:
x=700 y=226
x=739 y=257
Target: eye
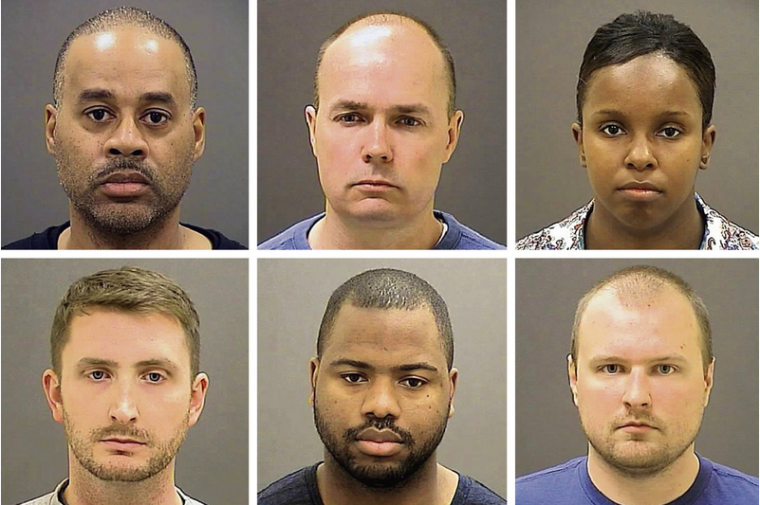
x=156 y=118
x=670 y=132
x=611 y=369
x=612 y=130
x=353 y=378
x=665 y=369
x=348 y=118
x=154 y=377
x=99 y=115
x=413 y=382
x=409 y=121
x=97 y=375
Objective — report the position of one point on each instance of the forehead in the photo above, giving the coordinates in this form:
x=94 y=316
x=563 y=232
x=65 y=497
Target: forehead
x=658 y=324
x=384 y=65
x=126 y=60
x=390 y=336
x=644 y=85
x=125 y=337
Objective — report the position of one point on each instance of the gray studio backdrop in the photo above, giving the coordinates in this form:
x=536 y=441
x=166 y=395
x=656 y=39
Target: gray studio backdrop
x=213 y=463
x=217 y=34
x=473 y=183
x=292 y=298
x=546 y=421
x=551 y=38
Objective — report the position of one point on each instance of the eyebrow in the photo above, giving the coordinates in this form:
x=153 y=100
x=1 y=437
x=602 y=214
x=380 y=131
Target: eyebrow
x=617 y=112
x=156 y=362
x=94 y=94
x=362 y=365
x=159 y=96
x=607 y=358
x=91 y=94
x=416 y=108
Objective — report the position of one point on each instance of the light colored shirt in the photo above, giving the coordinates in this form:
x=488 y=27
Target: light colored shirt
x=720 y=233
x=55 y=498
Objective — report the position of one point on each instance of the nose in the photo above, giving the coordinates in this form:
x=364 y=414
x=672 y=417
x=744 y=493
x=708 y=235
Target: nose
x=637 y=393
x=127 y=140
x=380 y=400
x=377 y=146
x=640 y=156
x=123 y=406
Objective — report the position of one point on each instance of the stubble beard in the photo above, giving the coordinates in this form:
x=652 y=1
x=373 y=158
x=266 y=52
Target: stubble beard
x=164 y=451
x=383 y=476
x=122 y=219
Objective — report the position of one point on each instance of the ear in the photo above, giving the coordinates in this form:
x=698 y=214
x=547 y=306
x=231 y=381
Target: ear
x=572 y=375
x=708 y=141
x=198 y=397
x=709 y=381
x=455 y=126
x=313 y=375
x=577 y=130
x=51 y=118
x=453 y=377
x=199 y=128
x=311 y=121
x=51 y=384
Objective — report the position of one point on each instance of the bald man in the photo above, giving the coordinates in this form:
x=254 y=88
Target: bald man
x=125 y=132
x=382 y=125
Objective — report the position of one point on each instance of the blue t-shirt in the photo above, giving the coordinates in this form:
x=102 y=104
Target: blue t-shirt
x=458 y=236
x=569 y=483
x=300 y=488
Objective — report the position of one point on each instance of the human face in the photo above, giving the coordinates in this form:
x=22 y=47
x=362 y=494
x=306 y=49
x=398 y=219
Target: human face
x=382 y=130
x=124 y=136
x=125 y=395
x=640 y=386
x=642 y=142
x=382 y=393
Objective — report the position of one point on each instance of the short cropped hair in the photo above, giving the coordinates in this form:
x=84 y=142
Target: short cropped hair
x=642 y=281
x=392 y=18
x=127 y=289
x=632 y=35
x=125 y=16
x=387 y=288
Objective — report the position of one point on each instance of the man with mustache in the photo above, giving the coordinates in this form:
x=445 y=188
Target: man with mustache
x=125 y=132
x=125 y=383
x=382 y=391
x=382 y=125
x=641 y=370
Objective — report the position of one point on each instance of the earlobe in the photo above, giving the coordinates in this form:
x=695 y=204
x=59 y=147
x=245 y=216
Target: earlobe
x=709 y=381
x=199 y=128
x=310 y=113
x=577 y=130
x=708 y=140
x=51 y=385
x=51 y=118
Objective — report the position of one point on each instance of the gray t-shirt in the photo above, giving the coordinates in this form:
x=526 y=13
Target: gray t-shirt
x=54 y=498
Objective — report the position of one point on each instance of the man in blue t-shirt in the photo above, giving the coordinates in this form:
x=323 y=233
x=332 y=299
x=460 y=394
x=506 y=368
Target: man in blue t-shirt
x=641 y=371
x=382 y=125
x=382 y=390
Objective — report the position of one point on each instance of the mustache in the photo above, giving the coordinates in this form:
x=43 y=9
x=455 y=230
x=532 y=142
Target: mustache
x=121 y=164
x=385 y=423
x=121 y=430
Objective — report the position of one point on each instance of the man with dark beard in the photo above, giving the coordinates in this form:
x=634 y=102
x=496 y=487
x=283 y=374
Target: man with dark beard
x=641 y=371
x=382 y=390
x=125 y=131
x=125 y=383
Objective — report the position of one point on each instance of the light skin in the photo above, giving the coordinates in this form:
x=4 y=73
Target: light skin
x=641 y=389
x=126 y=398
x=642 y=143
x=125 y=139
x=380 y=136
x=383 y=366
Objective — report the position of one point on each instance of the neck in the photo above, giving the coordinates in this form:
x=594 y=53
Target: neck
x=338 y=232
x=163 y=234
x=431 y=485
x=684 y=230
x=656 y=489
x=86 y=489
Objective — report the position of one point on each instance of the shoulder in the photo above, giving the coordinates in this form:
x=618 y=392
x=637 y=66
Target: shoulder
x=471 y=492
x=50 y=498
x=297 y=488
x=459 y=236
x=722 y=234
x=292 y=238
x=217 y=239
x=47 y=239
x=562 y=235
x=555 y=485
x=727 y=485
x=188 y=500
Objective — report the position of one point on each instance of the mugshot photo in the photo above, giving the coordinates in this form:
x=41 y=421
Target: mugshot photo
x=381 y=125
x=650 y=111
x=636 y=380
x=383 y=361
x=125 y=380
x=131 y=127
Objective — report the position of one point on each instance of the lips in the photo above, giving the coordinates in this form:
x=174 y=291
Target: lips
x=379 y=443
x=636 y=424
x=374 y=435
x=125 y=178
x=378 y=183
